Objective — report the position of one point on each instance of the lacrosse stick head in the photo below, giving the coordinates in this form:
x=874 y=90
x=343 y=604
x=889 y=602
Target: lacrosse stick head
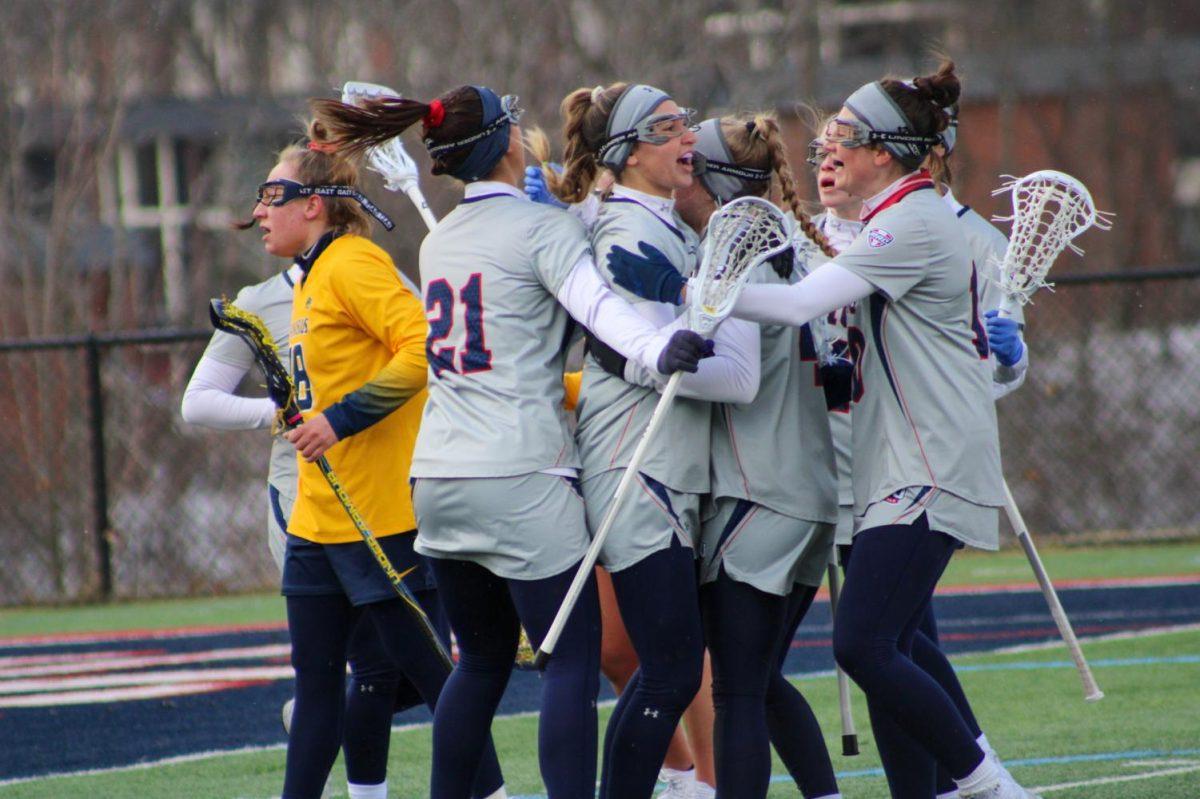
x=251 y=329
x=390 y=160
x=740 y=235
x=1049 y=210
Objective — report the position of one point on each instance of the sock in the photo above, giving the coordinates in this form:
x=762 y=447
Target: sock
x=367 y=791
x=499 y=793
x=984 y=774
x=986 y=746
x=703 y=790
x=685 y=773
x=829 y=796
x=948 y=795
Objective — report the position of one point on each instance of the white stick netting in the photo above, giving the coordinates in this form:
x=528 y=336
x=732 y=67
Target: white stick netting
x=740 y=235
x=1049 y=210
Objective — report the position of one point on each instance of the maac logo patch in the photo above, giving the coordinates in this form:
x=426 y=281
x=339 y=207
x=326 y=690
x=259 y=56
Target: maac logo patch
x=878 y=237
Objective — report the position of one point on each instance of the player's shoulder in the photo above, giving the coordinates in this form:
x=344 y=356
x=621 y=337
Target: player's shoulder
x=352 y=247
x=556 y=221
x=980 y=228
x=275 y=289
x=630 y=221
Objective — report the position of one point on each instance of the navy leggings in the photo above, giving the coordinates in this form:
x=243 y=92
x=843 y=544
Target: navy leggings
x=376 y=690
x=755 y=705
x=486 y=613
x=661 y=609
x=890 y=580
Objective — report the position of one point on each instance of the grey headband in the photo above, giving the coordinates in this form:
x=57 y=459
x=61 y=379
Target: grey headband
x=873 y=105
x=635 y=104
x=950 y=134
x=719 y=175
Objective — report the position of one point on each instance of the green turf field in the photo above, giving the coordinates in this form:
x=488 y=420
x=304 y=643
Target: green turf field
x=1142 y=740
x=1148 y=728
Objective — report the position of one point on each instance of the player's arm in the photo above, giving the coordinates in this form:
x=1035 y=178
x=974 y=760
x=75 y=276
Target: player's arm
x=209 y=399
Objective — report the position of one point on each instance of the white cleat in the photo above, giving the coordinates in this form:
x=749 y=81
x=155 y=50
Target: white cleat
x=680 y=784
x=289 y=707
x=1003 y=788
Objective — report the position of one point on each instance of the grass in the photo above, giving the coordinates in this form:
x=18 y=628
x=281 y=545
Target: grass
x=1030 y=713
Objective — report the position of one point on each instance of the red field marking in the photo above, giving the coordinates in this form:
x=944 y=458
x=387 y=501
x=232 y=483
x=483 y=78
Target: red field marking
x=146 y=634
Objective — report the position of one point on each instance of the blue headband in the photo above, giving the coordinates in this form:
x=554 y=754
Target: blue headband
x=488 y=145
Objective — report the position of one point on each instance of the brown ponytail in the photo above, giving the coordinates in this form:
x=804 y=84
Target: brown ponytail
x=926 y=100
x=759 y=143
x=355 y=129
x=585 y=115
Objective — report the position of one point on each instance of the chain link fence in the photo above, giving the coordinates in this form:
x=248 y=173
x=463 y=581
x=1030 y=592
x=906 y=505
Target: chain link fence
x=107 y=493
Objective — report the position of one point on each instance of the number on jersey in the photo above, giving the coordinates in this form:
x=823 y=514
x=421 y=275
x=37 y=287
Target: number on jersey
x=303 y=386
x=469 y=350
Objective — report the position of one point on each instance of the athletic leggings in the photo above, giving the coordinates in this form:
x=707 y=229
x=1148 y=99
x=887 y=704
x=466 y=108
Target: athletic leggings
x=890 y=580
x=486 y=612
x=660 y=607
x=320 y=627
x=377 y=689
x=755 y=704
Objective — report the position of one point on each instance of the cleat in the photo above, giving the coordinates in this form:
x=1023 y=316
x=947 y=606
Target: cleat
x=680 y=784
x=289 y=707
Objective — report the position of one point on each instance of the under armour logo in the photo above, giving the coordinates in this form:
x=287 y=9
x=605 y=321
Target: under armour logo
x=651 y=713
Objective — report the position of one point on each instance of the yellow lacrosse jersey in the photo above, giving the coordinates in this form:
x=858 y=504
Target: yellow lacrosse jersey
x=358 y=348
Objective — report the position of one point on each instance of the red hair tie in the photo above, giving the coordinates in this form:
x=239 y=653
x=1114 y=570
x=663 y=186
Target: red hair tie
x=323 y=147
x=436 y=115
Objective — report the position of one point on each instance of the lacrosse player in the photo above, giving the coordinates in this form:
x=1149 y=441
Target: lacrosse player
x=645 y=139
x=926 y=459
x=495 y=468
x=356 y=342
x=767 y=527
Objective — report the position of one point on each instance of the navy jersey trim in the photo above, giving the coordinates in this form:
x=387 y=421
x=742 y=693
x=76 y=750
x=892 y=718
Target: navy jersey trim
x=480 y=197
x=288 y=278
x=276 y=509
x=878 y=306
x=678 y=233
x=963 y=211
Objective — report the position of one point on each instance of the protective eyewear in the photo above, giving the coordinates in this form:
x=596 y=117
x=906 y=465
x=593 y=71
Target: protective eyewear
x=817 y=150
x=851 y=133
x=283 y=191
x=655 y=129
x=510 y=114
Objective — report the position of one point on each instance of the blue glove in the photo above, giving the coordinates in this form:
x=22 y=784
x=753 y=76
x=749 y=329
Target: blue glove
x=650 y=275
x=683 y=352
x=1004 y=335
x=536 y=189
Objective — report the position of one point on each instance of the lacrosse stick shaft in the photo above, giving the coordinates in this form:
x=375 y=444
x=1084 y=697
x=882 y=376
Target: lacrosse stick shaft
x=418 y=199
x=1091 y=691
x=849 y=735
x=589 y=559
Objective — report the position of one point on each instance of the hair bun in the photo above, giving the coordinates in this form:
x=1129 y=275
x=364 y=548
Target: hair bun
x=942 y=88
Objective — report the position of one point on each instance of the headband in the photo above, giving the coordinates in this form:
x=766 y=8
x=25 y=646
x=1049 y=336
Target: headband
x=889 y=126
x=719 y=175
x=950 y=134
x=488 y=144
x=636 y=103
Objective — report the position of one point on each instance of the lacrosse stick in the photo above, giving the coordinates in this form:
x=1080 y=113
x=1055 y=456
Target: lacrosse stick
x=390 y=159
x=1049 y=210
x=849 y=736
x=250 y=328
x=740 y=236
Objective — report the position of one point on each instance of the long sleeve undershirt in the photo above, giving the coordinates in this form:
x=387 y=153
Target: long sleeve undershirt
x=209 y=400
x=826 y=289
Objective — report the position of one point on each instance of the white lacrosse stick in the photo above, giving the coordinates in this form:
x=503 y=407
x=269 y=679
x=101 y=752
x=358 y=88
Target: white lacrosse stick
x=390 y=159
x=740 y=236
x=1049 y=210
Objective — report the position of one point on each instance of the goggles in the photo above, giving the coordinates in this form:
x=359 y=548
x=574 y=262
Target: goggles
x=817 y=150
x=703 y=165
x=656 y=129
x=851 y=133
x=282 y=192
x=510 y=114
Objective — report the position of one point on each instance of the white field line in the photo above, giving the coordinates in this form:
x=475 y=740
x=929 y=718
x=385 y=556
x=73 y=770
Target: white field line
x=1066 y=786
x=240 y=674
x=69 y=663
x=1091 y=639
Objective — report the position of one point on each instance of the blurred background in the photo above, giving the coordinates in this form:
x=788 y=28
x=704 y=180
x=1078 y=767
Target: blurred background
x=137 y=130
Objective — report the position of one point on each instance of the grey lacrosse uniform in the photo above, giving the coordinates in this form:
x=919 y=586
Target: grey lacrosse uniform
x=613 y=413
x=987 y=245
x=844 y=323
x=926 y=418
x=776 y=452
x=272 y=301
x=497 y=348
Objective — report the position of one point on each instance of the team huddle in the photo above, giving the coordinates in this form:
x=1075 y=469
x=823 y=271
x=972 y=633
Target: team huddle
x=843 y=413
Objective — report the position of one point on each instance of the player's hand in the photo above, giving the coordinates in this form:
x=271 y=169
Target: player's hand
x=313 y=438
x=1004 y=335
x=683 y=352
x=536 y=188
x=650 y=275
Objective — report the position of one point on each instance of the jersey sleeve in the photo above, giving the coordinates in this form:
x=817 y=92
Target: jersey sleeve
x=227 y=348
x=371 y=291
x=558 y=241
x=891 y=253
